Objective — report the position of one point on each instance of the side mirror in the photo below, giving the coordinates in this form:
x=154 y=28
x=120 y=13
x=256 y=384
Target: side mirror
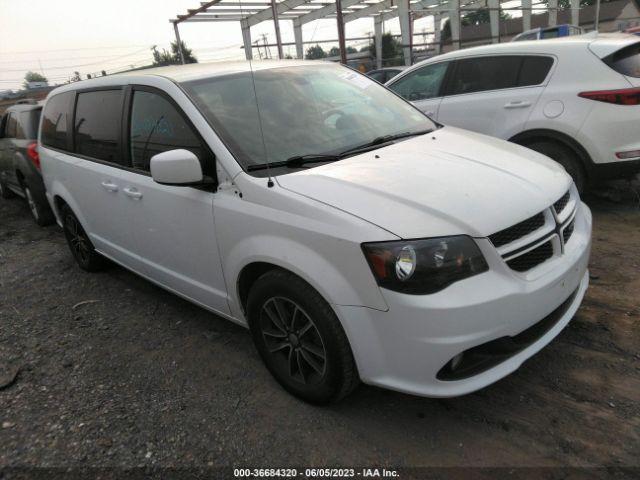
x=176 y=167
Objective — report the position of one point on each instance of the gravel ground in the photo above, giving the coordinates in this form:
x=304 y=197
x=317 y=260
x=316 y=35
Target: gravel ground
x=114 y=372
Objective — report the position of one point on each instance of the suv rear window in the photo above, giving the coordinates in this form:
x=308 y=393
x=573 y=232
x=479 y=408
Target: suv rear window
x=55 y=121
x=97 y=125
x=626 y=61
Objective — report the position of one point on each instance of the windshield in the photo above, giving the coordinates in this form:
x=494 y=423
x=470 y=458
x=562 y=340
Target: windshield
x=305 y=110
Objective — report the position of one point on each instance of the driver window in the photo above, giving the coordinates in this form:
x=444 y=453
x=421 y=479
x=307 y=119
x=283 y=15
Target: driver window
x=422 y=84
x=156 y=127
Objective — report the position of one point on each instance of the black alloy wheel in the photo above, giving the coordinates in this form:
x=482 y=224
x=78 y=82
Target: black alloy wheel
x=293 y=340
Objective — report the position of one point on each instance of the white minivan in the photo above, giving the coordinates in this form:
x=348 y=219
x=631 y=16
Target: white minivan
x=355 y=237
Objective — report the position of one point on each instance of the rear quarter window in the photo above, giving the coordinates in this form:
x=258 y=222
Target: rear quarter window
x=55 y=121
x=626 y=61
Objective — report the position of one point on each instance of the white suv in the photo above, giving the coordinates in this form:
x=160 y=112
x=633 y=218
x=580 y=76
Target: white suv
x=356 y=238
x=575 y=99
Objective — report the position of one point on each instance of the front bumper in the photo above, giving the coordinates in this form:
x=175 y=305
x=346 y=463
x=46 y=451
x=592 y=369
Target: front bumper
x=407 y=346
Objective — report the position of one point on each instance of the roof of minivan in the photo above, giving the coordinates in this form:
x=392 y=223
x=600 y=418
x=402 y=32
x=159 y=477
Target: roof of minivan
x=601 y=44
x=192 y=71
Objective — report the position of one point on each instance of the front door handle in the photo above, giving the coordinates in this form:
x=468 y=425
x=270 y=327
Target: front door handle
x=132 y=192
x=112 y=187
x=517 y=104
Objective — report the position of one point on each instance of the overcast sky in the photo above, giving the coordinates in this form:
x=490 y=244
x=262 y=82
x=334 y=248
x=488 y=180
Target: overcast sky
x=58 y=37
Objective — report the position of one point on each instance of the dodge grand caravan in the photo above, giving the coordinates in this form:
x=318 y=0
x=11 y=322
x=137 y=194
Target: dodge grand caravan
x=354 y=237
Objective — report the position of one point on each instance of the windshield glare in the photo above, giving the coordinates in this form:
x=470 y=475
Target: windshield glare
x=305 y=110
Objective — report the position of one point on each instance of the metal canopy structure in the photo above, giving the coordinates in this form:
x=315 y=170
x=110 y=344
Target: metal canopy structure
x=252 y=12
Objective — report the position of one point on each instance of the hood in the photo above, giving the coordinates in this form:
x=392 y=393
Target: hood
x=447 y=183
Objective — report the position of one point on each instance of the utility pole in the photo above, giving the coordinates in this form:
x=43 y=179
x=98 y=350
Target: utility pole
x=180 y=52
x=597 y=22
x=267 y=50
x=276 y=24
x=341 y=41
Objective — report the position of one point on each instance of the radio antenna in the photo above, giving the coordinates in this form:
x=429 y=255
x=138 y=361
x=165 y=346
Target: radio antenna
x=255 y=93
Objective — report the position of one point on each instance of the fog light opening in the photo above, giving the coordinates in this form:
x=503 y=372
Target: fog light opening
x=455 y=361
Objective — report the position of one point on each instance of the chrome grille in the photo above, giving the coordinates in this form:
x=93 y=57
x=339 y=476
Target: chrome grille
x=532 y=258
x=535 y=240
x=517 y=231
x=568 y=231
x=560 y=205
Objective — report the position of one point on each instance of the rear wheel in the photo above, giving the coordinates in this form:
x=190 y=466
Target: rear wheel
x=79 y=243
x=565 y=157
x=40 y=211
x=300 y=338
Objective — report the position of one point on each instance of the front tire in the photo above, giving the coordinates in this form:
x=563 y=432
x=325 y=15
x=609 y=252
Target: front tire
x=565 y=157
x=300 y=339
x=79 y=244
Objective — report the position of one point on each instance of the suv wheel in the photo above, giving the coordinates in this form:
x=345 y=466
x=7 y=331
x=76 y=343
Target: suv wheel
x=565 y=157
x=5 y=192
x=79 y=243
x=300 y=338
x=42 y=214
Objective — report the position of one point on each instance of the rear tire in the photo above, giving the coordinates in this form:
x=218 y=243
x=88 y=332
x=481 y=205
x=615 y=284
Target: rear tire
x=41 y=212
x=5 y=192
x=300 y=339
x=565 y=157
x=79 y=244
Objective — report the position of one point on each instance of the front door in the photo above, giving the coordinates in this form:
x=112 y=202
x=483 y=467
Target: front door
x=174 y=224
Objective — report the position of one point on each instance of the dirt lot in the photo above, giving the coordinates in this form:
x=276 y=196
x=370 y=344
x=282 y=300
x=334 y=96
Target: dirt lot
x=139 y=377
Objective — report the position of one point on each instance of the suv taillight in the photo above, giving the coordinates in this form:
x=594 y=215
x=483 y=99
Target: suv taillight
x=627 y=96
x=32 y=153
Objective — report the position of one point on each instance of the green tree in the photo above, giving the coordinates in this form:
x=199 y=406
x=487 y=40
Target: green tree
x=477 y=17
x=315 y=53
x=189 y=57
x=335 y=51
x=391 y=50
x=33 y=77
x=164 y=57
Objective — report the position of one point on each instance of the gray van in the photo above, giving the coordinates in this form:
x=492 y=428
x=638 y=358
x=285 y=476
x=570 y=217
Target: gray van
x=19 y=160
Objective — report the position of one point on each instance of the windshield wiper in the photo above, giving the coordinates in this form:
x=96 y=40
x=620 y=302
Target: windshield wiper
x=384 y=139
x=296 y=161
x=299 y=160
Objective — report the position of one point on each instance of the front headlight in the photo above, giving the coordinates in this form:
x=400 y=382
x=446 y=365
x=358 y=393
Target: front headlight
x=424 y=266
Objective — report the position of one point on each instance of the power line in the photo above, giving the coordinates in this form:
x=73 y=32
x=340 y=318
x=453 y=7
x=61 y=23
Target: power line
x=25 y=52
x=86 y=64
x=67 y=58
x=134 y=62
